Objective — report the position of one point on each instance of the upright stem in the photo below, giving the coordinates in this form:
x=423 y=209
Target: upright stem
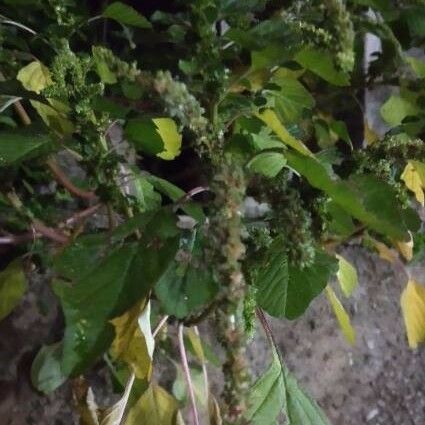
x=186 y=372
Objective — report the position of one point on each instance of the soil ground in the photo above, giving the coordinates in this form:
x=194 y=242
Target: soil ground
x=377 y=381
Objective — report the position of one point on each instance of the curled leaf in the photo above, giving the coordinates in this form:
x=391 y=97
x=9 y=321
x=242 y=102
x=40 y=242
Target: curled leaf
x=413 y=308
x=270 y=118
x=414 y=178
x=341 y=315
x=133 y=341
x=347 y=276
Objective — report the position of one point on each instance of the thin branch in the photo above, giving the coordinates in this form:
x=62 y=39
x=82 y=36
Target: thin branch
x=40 y=230
x=190 y=194
x=65 y=182
x=80 y=215
x=20 y=110
x=49 y=232
x=159 y=326
x=186 y=372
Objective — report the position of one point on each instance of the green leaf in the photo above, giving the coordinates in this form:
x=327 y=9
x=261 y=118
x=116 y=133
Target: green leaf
x=291 y=99
x=46 y=371
x=270 y=118
x=267 y=163
x=35 y=77
x=285 y=290
x=321 y=63
x=364 y=197
x=144 y=135
x=417 y=65
x=106 y=75
x=415 y=18
x=341 y=315
x=125 y=15
x=277 y=390
x=12 y=287
x=155 y=407
x=187 y=284
x=175 y=193
x=397 y=108
x=55 y=119
x=15 y=146
x=118 y=281
x=158 y=136
x=347 y=276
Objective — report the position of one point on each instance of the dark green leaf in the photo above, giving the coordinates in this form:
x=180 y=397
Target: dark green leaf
x=188 y=282
x=15 y=146
x=291 y=98
x=175 y=194
x=285 y=290
x=366 y=198
x=109 y=289
x=144 y=135
x=277 y=390
x=126 y=15
x=46 y=372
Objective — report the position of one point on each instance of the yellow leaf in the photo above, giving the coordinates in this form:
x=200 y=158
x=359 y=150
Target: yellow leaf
x=155 y=407
x=369 y=135
x=34 y=77
x=167 y=129
x=270 y=118
x=412 y=177
x=341 y=315
x=214 y=411
x=85 y=402
x=133 y=341
x=347 y=276
x=384 y=252
x=405 y=248
x=413 y=308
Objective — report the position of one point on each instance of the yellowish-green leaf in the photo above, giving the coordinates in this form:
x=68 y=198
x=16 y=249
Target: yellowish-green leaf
x=270 y=118
x=414 y=179
x=35 y=76
x=133 y=341
x=384 y=252
x=413 y=308
x=12 y=287
x=54 y=118
x=417 y=65
x=369 y=135
x=155 y=407
x=114 y=415
x=347 y=276
x=214 y=411
x=167 y=129
x=196 y=343
x=397 y=108
x=405 y=248
x=341 y=315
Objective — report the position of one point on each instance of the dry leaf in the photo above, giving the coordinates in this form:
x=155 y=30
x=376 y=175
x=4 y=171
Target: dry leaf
x=413 y=308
